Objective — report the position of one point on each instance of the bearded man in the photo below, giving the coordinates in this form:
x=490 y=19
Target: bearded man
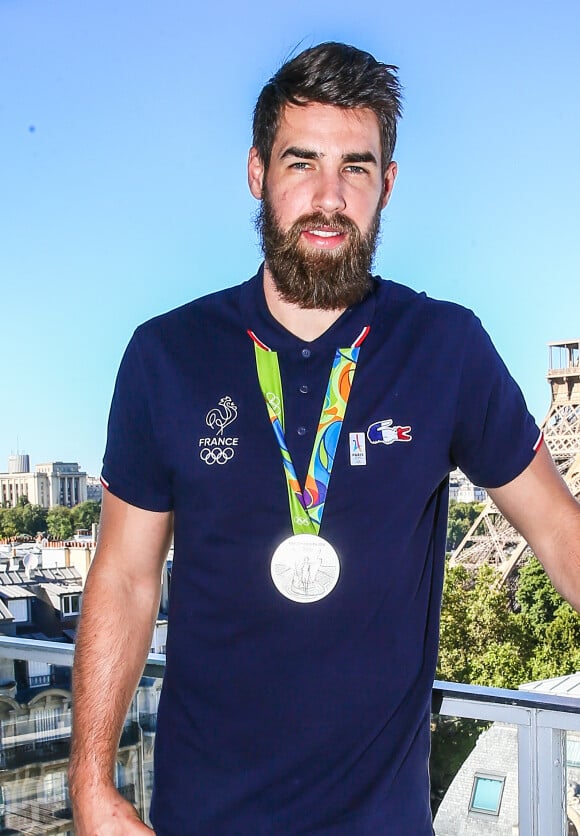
x=296 y=434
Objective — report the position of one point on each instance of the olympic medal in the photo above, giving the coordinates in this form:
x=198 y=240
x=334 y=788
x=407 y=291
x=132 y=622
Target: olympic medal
x=305 y=568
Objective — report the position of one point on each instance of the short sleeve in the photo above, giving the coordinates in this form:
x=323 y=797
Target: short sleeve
x=495 y=437
x=133 y=469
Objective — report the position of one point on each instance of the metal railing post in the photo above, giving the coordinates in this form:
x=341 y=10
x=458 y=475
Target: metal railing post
x=527 y=779
x=551 y=748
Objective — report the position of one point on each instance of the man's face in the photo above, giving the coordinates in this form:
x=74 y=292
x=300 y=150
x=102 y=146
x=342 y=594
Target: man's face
x=321 y=201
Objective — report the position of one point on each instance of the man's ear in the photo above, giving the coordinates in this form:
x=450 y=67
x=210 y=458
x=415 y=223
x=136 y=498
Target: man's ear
x=389 y=182
x=256 y=173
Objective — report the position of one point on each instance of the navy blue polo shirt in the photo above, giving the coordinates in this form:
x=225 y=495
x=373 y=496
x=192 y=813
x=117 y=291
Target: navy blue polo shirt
x=285 y=717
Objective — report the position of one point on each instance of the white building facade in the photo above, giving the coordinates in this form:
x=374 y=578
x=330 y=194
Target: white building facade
x=52 y=483
x=462 y=490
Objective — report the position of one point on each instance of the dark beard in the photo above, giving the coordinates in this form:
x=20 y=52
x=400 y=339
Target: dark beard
x=322 y=279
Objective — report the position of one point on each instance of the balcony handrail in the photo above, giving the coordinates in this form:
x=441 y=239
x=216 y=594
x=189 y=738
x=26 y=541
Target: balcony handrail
x=36 y=650
x=504 y=696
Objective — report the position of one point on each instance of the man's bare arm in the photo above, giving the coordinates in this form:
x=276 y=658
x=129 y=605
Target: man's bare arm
x=539 y=504
x=120 y=605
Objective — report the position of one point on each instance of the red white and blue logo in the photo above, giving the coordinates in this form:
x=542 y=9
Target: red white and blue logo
x=384 y=432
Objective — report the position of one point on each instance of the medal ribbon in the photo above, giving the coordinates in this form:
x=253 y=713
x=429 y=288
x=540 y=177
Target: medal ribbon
x=307 y=506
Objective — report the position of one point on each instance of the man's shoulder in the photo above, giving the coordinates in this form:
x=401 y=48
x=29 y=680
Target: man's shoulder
x=219 y=303
x=402 y=298
x=212 y=313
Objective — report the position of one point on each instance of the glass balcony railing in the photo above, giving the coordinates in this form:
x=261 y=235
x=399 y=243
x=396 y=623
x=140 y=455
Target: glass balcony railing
x=505 y=762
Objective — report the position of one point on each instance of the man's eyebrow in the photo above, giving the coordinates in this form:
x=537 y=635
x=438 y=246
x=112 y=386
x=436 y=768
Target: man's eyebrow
x=360 y=157
x=307 y=154
x=301 y=153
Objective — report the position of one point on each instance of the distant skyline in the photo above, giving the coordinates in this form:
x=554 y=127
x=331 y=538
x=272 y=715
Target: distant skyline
x=125 y=130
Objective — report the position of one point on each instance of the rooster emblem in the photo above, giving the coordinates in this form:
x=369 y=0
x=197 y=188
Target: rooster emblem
x=223 y=415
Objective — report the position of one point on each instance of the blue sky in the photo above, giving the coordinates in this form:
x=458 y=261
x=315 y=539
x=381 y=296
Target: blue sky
x=124 y=130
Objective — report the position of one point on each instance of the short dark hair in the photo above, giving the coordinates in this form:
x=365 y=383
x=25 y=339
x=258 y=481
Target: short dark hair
x=336 y=74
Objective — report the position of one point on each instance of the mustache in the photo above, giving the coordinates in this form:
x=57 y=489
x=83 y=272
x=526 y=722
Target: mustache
x=334 y=223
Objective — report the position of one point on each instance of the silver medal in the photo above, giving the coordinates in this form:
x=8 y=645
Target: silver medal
x=305 y=568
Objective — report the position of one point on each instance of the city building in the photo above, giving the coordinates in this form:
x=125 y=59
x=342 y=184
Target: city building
x=94 y=488
x=50 y=484
x=462 y=490
x=39 y=602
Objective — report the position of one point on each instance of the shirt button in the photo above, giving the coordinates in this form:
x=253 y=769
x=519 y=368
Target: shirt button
x=301 y=430
x=304 y=389
x=306 y=353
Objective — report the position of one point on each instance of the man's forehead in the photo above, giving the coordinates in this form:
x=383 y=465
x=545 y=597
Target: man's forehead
x=320 y=124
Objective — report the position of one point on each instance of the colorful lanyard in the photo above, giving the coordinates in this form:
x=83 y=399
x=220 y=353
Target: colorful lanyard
x=307 y=507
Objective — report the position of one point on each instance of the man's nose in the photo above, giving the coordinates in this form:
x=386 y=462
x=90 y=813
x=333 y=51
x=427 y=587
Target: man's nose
x=328 y=195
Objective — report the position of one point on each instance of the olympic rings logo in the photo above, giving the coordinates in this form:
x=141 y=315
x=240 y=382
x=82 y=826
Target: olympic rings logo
x=302 y=521
x=216 y=455
x=274 y=402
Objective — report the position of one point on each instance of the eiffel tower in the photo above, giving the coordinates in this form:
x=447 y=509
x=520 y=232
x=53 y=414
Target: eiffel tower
x=491 y=539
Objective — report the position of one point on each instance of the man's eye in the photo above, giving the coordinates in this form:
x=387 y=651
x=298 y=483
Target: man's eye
x=356 y=169
x=300 y=166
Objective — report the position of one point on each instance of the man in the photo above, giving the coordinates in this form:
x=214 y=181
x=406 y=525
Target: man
x=296 y=433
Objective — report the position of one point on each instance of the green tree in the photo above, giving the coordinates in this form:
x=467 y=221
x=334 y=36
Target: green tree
x=8 y=528
x=86 y=513
x=25 y=518
x=454 y=664
x=536 y=596
x=33 y=519
x=59 y=522
x=502 y=665
x=489 y=611
x=12 y=521
x=558 y=649
x=14 y=516
x=482 y=640
x=460 y=518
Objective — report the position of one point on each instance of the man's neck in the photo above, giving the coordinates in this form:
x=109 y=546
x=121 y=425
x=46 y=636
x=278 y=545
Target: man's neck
x=306 y=323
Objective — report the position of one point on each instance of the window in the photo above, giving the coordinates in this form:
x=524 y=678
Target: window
x=54 y=788
x=38 y=673
x=19 y=609
x=486 y=794
x=70 y=604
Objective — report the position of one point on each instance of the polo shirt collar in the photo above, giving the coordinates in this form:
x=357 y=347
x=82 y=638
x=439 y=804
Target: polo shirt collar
x=342 y=333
